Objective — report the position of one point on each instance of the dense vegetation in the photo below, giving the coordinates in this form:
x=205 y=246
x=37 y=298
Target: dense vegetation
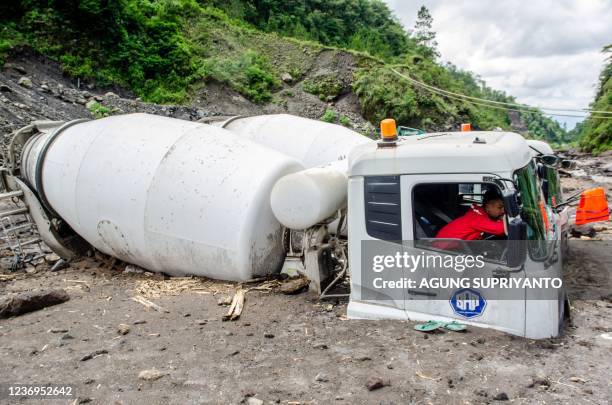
x=362 y=25
x=164 y=49
x=596 y=132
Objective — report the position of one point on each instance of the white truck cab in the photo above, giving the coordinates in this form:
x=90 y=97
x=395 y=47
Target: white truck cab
x=403 y=192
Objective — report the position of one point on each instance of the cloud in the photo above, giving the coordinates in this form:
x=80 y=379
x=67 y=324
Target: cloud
x=544 y=52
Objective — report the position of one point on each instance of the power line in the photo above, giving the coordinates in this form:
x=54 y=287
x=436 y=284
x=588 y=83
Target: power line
x=517 y=107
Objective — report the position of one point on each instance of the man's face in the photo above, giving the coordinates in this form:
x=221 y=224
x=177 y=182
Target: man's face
x=495 y=208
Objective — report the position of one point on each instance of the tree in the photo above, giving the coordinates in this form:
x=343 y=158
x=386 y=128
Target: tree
x=424 y=35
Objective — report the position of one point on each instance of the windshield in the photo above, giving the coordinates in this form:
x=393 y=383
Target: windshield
x=532 y=211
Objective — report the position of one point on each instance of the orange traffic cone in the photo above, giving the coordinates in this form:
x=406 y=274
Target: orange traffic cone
x=593 y=207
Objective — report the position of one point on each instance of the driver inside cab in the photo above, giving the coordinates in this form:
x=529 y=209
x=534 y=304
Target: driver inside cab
x=478 y=222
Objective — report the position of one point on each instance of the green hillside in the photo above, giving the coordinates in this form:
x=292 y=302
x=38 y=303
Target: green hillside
x=596 y=132
x=163 y=50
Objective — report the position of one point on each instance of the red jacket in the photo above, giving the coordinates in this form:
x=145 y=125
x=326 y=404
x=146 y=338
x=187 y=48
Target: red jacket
x=472 y=225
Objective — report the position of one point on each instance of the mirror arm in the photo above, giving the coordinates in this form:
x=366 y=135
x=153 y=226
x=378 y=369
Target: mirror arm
x=569 y=200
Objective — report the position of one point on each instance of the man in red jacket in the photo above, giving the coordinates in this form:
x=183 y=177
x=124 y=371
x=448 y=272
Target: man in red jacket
x=478 y=221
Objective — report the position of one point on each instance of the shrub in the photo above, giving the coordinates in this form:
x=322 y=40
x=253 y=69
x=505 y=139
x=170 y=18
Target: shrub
x=250 y=74
x=329 y=116
x=325 y=87
x=98 y=110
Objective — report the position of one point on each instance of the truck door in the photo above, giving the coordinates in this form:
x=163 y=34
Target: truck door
x=375 y=231
x=544 y=310
x=431 y=202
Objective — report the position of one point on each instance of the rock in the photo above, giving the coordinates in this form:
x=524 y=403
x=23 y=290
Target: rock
x=18 y=68
x=64 y=339
x=123 y=329
x=86 y=94
x=201 y=321
x=286 y=77
x=319 y=345
x=363 y=358
x=476 y=356
x=150 y=375
x=131 y=269
x=52 y=258
x=139 y=322
x=57 y=330
x=539 y=382
x=481 y=393
x=81 y=101
x=502 y=396
x=577 y=380
x=59 y=265
x=268 y=335
x=91 y=104
x=45 y=89
x=110 y=94
x=321 y=377
x=30 y=301
x=25 y=81
x=5 y=89
x=93 y=354
x=607 y=168
x=295 y=285
x=582 y=230
x=225 y=300
x=374 y=383
x=253 y=401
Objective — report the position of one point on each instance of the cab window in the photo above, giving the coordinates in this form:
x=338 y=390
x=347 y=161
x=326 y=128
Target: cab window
x=435 y=205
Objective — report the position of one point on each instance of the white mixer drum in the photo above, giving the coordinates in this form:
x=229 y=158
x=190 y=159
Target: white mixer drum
x=166 y=194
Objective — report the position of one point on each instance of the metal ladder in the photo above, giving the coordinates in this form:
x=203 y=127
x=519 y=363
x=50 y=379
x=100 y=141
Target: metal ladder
x=13 y=222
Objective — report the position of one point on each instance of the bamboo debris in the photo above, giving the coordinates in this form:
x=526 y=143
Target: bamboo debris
x=236 y=306
x=142 y=300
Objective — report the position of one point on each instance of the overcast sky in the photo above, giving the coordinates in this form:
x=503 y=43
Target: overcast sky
x=543 y=52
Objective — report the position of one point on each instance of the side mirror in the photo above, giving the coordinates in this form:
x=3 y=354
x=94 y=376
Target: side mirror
x=568 y=164
x=517 y=242
x=549 y=160
x=511 y=203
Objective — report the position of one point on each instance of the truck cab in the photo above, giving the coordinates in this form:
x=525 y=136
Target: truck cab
x=401 y=193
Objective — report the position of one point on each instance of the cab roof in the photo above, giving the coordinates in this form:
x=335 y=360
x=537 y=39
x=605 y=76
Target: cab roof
x=443 y=152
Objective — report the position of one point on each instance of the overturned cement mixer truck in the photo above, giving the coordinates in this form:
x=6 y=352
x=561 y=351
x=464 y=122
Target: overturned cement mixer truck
x=245 y=197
